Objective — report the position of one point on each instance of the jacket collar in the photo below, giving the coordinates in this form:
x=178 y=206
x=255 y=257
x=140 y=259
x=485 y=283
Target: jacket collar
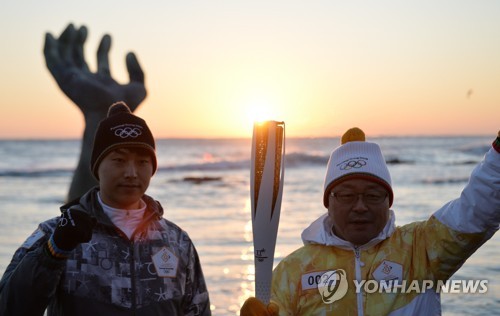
x=320 y=232
x=89 y=203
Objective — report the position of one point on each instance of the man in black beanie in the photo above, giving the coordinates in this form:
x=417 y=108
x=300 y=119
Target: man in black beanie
x=110 y=252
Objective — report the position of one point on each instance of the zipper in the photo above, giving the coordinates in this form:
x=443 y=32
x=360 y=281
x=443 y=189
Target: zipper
x=133 y=281
x=133 y=285
x=143 y=224
x=358 y=265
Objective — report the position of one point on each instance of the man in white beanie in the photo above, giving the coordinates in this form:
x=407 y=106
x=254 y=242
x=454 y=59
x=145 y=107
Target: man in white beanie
x=355 y=261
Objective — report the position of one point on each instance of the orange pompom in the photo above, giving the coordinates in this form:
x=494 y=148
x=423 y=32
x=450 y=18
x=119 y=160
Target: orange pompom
x=353 y=135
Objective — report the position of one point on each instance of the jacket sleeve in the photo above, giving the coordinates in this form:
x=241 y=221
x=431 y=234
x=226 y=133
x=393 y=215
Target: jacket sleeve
x=31 y=278
x=478 y=208
x=197 y=299
x=461 y=226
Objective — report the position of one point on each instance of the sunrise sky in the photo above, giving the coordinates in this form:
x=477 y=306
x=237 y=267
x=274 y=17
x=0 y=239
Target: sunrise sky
x=389 y=67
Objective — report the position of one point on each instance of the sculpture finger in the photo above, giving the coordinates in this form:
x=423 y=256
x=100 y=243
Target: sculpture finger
x=51 y=52
x=78 y=53
x=66 y=42
x=103 y=56
x=134 y=69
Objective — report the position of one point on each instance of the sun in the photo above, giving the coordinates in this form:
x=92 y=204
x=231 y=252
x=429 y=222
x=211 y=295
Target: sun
x=259 y=110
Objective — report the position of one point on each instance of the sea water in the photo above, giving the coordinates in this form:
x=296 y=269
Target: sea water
x=204 y=184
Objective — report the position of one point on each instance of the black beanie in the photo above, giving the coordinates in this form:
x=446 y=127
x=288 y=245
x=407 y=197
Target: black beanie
x=119 y=129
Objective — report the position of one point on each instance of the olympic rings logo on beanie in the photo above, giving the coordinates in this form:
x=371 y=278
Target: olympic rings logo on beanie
x=119 y=129
x=128 y=131
x=356 y=158
x=353 y=163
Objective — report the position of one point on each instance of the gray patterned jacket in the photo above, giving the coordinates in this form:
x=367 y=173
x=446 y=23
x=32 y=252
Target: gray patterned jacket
x=159 y=273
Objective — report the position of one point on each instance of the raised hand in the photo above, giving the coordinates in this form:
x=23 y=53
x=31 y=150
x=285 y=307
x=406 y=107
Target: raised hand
x=74 y=227
x=92 y=92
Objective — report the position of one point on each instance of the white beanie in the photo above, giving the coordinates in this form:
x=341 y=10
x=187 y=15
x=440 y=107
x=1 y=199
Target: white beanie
x=356 y=158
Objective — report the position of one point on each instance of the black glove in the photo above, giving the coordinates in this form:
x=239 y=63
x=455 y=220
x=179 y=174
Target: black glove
x=74 y=227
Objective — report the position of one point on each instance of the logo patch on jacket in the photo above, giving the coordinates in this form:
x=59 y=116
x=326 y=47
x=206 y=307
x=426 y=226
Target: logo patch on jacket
x=165 y=263
x=388 y=270
x=37 y=234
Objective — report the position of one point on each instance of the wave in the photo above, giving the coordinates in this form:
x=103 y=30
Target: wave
x=398 y=161
x=36 y=173
x=292 y=160
x=299 y=159
x=474 y=149
x=466 y=162
x=446 y=180
x=199 y=180
x=208 y=166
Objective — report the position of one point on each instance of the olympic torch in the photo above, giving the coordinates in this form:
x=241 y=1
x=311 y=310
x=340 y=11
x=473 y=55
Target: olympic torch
x=266 y=190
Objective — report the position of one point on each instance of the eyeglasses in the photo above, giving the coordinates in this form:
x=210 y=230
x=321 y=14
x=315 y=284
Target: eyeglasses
x=369 y=198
